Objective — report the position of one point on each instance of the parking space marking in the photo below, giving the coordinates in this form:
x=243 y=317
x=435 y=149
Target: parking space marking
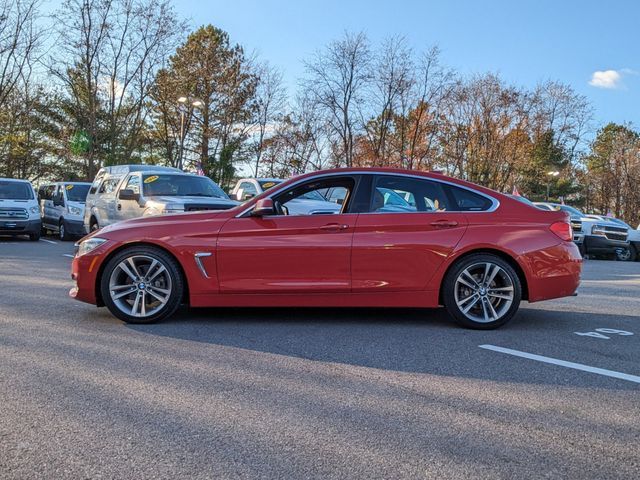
x=48 y=241
x=564 y=363
x=67 y=255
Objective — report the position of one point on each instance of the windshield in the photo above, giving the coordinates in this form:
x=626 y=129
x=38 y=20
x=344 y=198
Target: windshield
x=15 y=191
x=181 y=185
x=77 y=192
x=571 y=210
x=267 y=184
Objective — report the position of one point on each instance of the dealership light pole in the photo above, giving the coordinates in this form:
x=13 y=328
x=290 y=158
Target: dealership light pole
x=553 y=174
x=182 y=105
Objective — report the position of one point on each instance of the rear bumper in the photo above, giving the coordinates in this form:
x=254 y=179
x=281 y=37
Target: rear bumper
x=552 y=272
x=20 y=227
x=599 y=244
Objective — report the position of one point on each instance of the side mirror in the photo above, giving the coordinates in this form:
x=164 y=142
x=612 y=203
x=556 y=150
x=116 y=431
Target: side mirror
x=263 y=207
x=127 y=194
x=239 y=194
x=247 y=196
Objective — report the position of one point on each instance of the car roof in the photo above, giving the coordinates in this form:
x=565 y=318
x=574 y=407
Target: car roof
x=124 y=169
x=14 y=180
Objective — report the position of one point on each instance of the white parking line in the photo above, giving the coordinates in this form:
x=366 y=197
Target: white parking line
x=563 y=363
x=67 y=255
x=48 y=241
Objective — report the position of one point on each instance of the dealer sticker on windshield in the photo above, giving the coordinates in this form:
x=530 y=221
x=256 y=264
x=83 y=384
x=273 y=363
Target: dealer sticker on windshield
x=69 y=187
x=151 y=179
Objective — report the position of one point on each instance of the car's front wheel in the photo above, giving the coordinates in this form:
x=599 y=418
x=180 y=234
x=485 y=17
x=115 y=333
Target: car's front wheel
x=482 y=291
x=142 y=285
x=626 y=254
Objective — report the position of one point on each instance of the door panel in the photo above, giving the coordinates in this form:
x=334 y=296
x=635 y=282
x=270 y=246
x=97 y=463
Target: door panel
x=286 y=254
x=402 y=251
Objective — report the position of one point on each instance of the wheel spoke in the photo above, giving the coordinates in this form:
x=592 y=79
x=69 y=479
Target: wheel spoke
x=158 y=297
x=143 y=307
x=122 y=287
x=471 y=305
x=158 y=271
x=492 y=275
x=497 y=295
x=465 y=300
x=484 y=311
x=133 y=267
x=494 y=314
x=501 y=289
x=123 y=266
x=134 y=307
x=123 y=294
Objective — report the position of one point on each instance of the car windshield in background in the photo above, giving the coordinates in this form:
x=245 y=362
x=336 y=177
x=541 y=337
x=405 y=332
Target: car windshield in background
x=15 y=191
x=267 y=184
x=571 y=210
x=77 y=193
x=181 y=186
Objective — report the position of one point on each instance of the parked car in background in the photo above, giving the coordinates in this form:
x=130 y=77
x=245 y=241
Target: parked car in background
x=312 y=203
x=632 y=253
x=62 y=208
x=466 y=254
x=130 y=191
x=19 y=210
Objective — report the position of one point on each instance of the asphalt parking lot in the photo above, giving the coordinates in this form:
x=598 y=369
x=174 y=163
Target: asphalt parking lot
x=318 y=393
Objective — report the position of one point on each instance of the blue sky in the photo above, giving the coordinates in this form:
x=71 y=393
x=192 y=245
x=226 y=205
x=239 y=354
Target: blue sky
x=524 y=41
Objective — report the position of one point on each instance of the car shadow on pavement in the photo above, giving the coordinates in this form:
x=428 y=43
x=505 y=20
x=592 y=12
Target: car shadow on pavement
x=402 y=340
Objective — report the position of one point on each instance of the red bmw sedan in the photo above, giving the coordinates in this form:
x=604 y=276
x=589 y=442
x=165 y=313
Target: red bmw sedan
x=400 y=239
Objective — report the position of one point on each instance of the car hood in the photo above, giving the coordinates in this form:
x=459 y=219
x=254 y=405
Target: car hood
x=171 y=221
x=188 y=200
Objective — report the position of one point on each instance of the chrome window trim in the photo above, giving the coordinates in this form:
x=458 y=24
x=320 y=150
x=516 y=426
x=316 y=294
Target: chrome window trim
x=495 y=202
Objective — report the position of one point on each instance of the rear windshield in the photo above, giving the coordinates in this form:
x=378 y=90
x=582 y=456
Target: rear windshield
x=15 y=190
x=77 y=193
x=181 y=186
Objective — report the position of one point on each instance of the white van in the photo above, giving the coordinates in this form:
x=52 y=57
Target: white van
x=19 y=211
x=62 y=208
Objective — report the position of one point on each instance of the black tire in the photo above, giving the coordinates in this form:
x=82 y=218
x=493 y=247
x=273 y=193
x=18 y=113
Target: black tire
x=93 y=225
x=63 y=235
x=626 y=254
x=175 y=283
x=634 y=253
x=505 y=278
x=34 y=237
x=582 y=250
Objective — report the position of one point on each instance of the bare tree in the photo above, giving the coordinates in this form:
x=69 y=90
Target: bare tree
x=270 y=101
x=109 y=52
x=336 y=81
x=19 y=40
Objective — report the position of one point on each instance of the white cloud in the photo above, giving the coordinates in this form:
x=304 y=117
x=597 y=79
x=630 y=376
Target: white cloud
x=606 y=79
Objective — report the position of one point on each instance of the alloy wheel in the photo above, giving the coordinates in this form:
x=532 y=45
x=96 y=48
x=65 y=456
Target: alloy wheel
x=140 y=285
x=484 y=292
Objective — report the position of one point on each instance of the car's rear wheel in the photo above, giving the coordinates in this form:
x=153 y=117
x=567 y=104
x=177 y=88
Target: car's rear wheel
x=626 y=254
x=142 y=285
x=34 y=237
x=482 y=291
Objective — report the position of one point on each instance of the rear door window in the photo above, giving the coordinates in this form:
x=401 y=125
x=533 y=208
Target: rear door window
x=468 y=201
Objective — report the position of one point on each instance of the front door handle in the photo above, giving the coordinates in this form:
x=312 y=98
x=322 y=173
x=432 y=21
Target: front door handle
x=334 y=227
x=119 y=207
x=444 y=224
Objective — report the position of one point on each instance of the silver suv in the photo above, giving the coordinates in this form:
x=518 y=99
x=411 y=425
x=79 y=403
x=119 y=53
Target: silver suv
x=130 y=191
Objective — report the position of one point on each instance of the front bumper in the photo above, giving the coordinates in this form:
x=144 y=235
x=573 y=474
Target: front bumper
x=84 y=272
x=20 y=227
x=552 y=272
x=597 y=244
x=75 y=227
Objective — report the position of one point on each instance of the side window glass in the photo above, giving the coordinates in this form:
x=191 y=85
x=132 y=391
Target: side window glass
x=308 y=199
x=398 y=194
x=96 y=184
x=134 y=184
x=468 y=201
x=109 y=185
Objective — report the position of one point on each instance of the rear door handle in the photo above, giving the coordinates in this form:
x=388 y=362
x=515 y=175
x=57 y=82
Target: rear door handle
x=444 y=224
x=334 y=227
x=119 y=207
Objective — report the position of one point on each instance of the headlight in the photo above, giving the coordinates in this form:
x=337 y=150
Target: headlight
x=34 y=210
x=89 y=245
x=75 y=210
x=598 y=230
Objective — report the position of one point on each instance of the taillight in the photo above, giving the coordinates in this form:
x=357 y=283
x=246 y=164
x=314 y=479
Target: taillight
x=562 y=230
